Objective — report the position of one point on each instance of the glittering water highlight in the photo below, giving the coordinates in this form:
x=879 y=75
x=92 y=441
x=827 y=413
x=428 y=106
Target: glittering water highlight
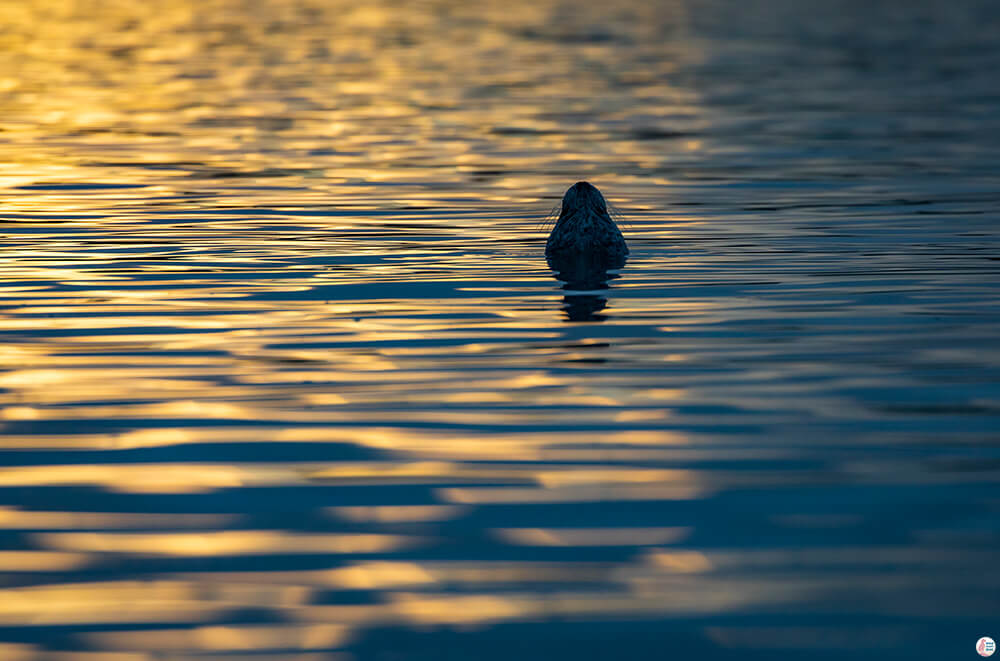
x=285 y=374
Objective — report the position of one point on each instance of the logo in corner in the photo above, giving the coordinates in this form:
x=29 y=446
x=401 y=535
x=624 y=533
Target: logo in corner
x=985 y=646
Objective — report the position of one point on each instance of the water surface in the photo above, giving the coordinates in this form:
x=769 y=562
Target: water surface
x=285 y=374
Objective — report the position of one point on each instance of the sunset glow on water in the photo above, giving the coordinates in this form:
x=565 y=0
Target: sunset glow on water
x=284 y=373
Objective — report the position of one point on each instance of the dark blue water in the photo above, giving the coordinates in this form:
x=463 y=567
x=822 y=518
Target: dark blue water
x=284 y=373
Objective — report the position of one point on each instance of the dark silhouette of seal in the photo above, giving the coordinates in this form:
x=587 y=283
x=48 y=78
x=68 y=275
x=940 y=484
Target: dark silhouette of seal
x=583 y=246
x=585 y=229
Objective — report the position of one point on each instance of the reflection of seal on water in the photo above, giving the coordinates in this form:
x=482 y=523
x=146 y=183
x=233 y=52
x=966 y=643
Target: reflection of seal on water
x=584 y=245
x=585 y=231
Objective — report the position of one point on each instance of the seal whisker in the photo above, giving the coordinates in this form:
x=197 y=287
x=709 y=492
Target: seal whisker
x=550 y=218
x=619 y=216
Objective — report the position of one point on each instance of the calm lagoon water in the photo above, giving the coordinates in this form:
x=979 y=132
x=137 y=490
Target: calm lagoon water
x=285 y=374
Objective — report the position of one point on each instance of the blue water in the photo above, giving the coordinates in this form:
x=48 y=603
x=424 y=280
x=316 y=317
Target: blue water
x=284 y=373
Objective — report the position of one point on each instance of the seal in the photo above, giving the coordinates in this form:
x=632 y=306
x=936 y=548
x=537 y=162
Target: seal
x=584 y=245
x=585 y=231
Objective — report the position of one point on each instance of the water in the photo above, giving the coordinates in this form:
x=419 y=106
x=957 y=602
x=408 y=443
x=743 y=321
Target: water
x=286 y=375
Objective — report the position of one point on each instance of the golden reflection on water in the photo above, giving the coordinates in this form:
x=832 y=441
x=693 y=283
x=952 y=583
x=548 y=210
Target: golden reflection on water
x=233 y=87
x=277 y=332
x=220 y=543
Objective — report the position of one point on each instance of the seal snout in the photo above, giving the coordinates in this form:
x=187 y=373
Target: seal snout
x=582 y=195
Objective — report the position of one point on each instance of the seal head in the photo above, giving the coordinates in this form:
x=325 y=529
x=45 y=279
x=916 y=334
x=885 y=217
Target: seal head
x=584 y=245
x=585 y=231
